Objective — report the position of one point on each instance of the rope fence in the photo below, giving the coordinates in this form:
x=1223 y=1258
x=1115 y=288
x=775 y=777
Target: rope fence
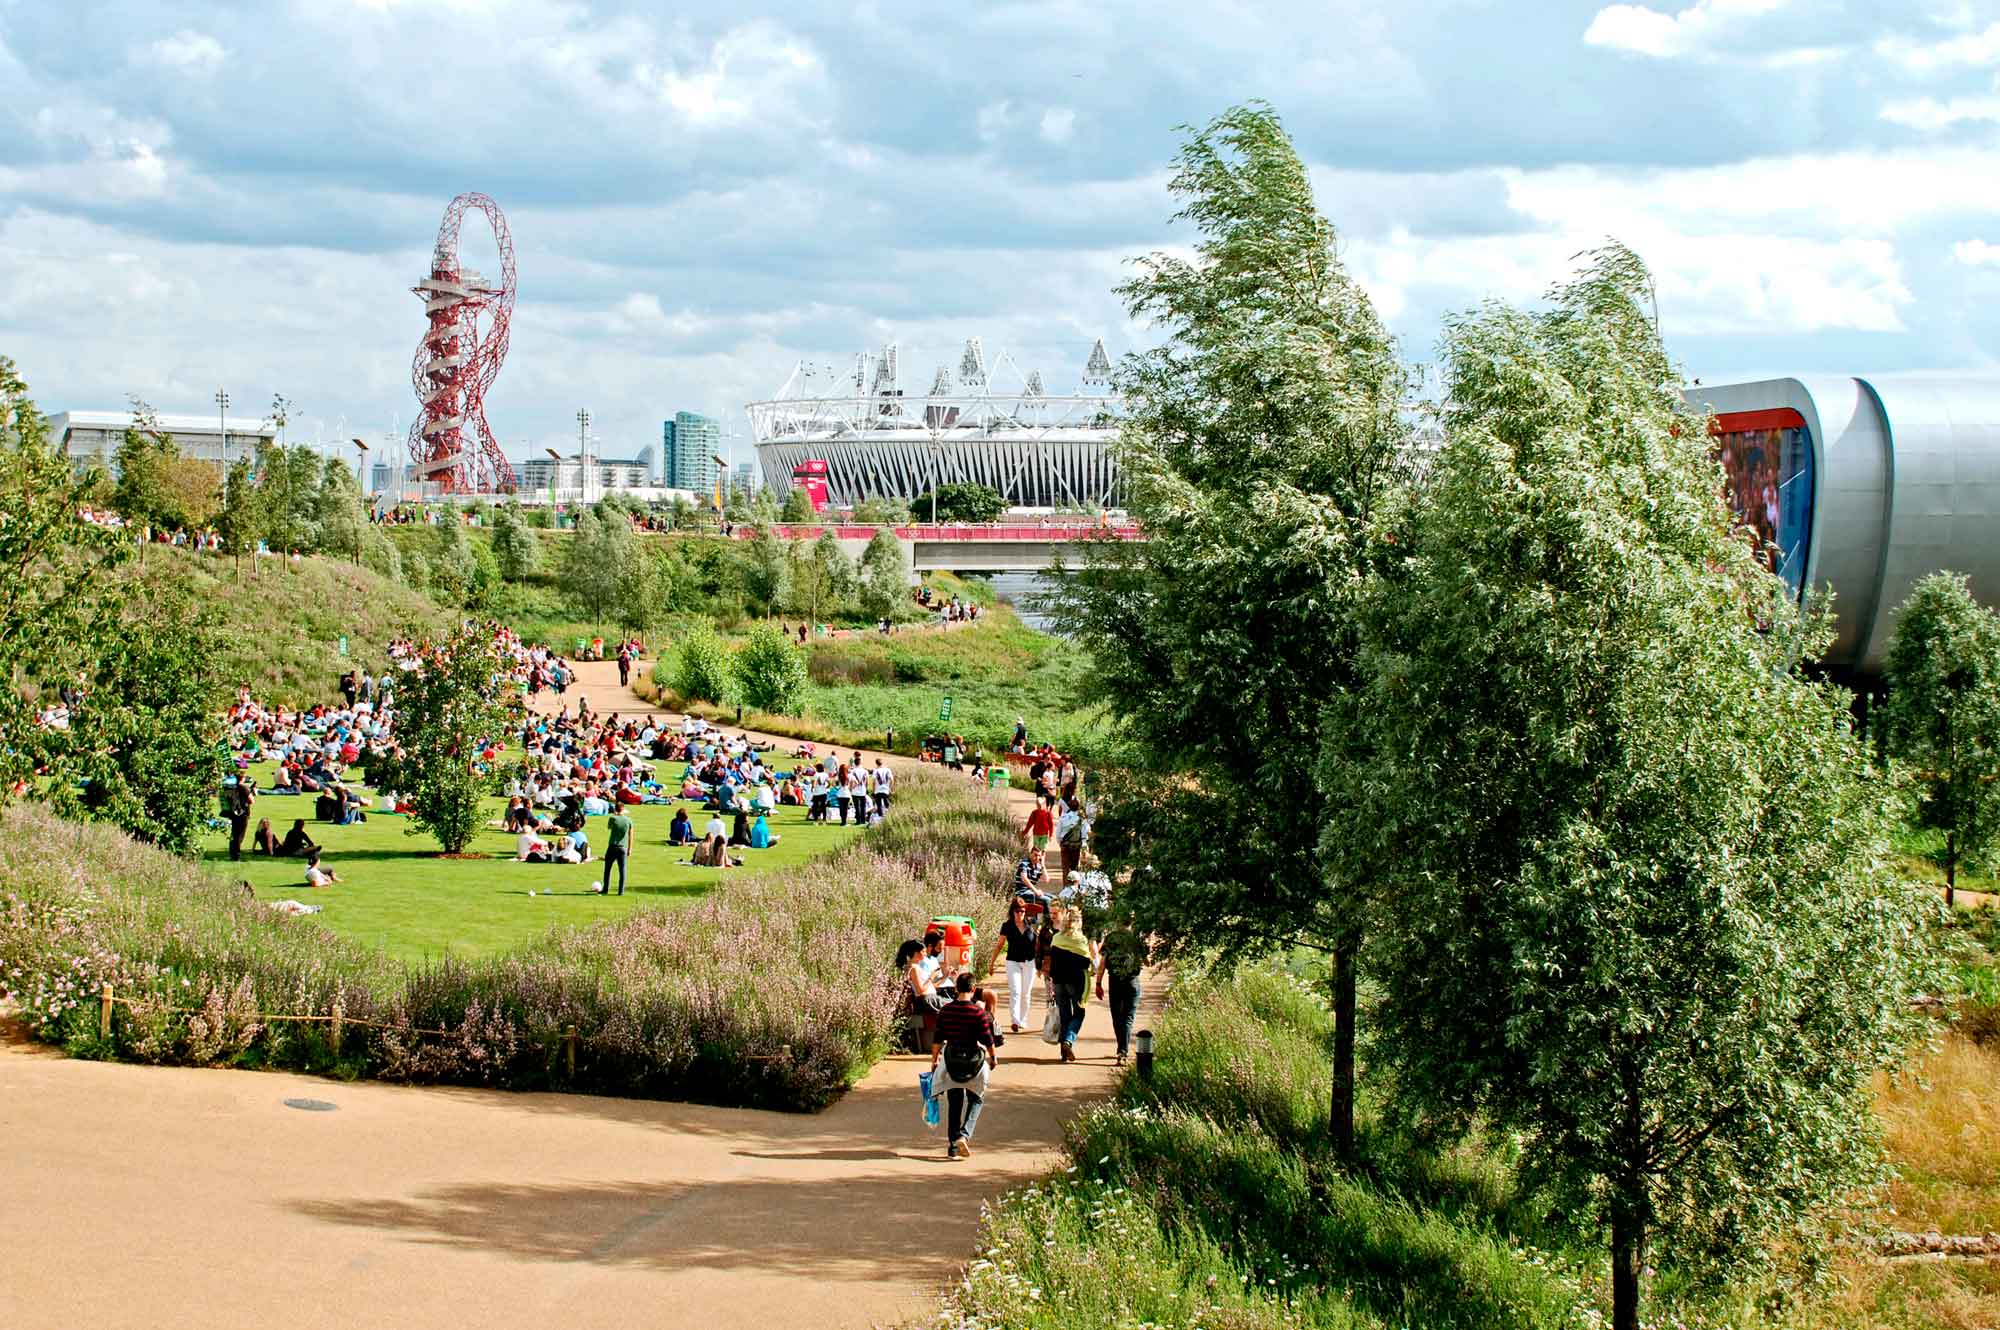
x=108 y=999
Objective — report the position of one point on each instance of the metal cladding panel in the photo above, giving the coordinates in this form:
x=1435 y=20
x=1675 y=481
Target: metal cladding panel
x=1945 y=439
x=1849 y=529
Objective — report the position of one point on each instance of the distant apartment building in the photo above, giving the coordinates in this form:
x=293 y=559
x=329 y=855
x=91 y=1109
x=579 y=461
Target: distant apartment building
x=746 y=478
x=689 y=445
x=538 y=475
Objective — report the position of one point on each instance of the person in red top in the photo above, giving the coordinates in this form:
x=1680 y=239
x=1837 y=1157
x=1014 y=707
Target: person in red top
x=1040 y=827
x=967 y=1048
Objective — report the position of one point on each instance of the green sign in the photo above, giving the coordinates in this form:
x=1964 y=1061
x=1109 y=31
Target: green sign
x=944 y=711
x=343 y=645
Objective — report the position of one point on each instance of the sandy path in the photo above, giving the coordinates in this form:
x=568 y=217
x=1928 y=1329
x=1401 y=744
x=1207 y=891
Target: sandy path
x=148 y=1196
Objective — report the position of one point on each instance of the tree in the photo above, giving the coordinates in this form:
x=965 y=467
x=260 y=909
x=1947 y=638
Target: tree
x=142 y=495
x=820 y=574
x=146 y=740
x=1263 y=437
x=962 y=501
x=765 y=570
x=340 y=511
x=703 y=673
x=447 y=710
x=454 y=569
x=884 y=578
x=875 y=511
x=288 y=481
x=1942 y=716
x=1638 y=914
x=379 y=555
x=515 y=545
x=798 y=508
x=771 y=671
x=240 y=523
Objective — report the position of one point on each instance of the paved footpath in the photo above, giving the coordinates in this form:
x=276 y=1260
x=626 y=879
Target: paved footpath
x=162 y=1196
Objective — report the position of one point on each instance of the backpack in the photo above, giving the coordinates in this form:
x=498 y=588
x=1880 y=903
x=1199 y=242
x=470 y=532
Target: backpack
x=962 y=1061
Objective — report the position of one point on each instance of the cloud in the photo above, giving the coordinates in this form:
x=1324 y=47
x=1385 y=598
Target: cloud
x=187 y=50
x=1974 y=49
x=1976 y=254
x=1644 y=31
x=992 y=119
x=1930 y=115
x=1058 y=124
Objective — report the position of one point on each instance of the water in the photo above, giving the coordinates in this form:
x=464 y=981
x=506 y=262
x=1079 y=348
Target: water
x=1018 y=589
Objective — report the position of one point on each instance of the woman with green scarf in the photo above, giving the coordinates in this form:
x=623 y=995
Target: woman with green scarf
x=1071 y=960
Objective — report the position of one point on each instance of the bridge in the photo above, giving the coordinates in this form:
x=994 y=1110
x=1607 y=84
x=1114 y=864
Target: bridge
x=968 y=547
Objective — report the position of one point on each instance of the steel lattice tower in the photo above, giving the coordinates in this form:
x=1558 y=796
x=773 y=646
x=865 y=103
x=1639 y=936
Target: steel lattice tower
x=465 y=341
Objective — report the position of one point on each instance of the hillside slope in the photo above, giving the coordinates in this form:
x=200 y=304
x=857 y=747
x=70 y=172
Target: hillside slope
x=283 y=626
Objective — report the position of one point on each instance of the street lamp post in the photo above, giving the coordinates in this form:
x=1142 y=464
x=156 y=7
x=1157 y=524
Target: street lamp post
x=721 y=468
x=222 y=410
x=583 y=451
x=554 y=471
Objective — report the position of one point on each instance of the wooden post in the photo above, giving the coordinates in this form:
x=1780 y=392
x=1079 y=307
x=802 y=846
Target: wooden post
x=104 y=1013
x=784 y=1052
x=569 y=1050
x=335 y=1036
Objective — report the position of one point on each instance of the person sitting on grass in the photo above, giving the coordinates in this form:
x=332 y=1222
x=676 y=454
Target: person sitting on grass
x=317 y=876
x=266 y=841
x=682 y=830
x=760 y=834
x=297 y=842
x=531 y=849
x=714 y=853
x=740 y=833
x=578 y=845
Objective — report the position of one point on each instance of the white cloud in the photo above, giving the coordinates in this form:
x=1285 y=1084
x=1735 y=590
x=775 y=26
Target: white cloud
x=1930 y=115
x=187 y=50
x=992 y=120
x=1968 y=49
x=1645 y=31
x=750 y=70
x=1058 y=124
x=1976 y=254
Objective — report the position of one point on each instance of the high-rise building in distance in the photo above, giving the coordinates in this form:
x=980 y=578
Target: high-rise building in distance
x=689 y=444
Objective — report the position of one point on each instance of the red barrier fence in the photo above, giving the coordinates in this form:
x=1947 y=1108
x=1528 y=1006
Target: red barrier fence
x=1064 y=531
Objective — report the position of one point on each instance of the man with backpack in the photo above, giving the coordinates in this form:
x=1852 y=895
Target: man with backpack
x=966 y=1047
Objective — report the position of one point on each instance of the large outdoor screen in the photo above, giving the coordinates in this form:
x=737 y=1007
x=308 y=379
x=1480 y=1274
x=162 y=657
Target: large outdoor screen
x=1768 y=457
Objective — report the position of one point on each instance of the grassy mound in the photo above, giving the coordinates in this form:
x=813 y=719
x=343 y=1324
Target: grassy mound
x=283 y=625
x=775 y=990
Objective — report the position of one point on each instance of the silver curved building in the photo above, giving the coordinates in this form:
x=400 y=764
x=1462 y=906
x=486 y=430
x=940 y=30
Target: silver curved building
x=990 y=425
x=1865 y=486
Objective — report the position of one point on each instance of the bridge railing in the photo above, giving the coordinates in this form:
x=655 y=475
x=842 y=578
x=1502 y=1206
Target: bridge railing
x=983 y=531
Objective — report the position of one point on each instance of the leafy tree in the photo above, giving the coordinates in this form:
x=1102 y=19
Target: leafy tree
x=1264 y=436
x=142 y=495
x=240 y=523
x=771 y=671
x=515 y=545
x=61 y=607
x=703 y=673
x=963 y=501
x=797 y=509
x=765 y=569
x=146 y=740
x=446 y=710
x=876 y=511
x=288 y=481
x=820 y=575
x=682 y=515
x=454 y=569
x=416 y=569
x=340 y=511
x=1942 y=716
x=379 y=555
x=1637 y=909
x=764 y=507
x=884 y=578
x=736 y=505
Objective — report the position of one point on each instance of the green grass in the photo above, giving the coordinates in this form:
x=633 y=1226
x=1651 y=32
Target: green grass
x=283 y=627
x=400 y=896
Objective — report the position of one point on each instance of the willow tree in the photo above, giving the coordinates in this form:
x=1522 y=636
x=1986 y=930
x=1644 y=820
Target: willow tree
x=1642 y=914
x=1261 y=439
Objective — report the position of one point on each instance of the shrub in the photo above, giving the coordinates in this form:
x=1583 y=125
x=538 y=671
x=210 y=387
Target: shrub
x=702 y=670
x=771 y=671
x=668 y=1003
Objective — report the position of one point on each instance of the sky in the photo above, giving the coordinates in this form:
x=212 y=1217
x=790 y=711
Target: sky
x=200 y=195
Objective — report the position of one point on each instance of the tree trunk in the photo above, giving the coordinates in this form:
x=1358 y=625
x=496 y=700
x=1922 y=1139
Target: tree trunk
x=1950 y=868
x=1628 y=1255
x=1342 y=1124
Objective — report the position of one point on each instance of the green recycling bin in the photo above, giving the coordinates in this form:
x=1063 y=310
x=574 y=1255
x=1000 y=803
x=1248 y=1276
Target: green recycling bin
x=997 y=778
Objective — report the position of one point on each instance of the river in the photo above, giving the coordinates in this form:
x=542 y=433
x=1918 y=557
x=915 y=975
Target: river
x=1018 y=589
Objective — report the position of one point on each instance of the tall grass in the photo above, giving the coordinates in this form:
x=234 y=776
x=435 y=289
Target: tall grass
x=775 y=991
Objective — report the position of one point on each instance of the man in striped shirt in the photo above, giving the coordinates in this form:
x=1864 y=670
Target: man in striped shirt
x=965 y=1046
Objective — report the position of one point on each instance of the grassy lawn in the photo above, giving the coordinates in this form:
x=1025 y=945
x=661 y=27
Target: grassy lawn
x=398 y=895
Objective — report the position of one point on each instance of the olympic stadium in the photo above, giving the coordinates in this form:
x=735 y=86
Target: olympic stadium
x=990 y=424
x=1865 y=486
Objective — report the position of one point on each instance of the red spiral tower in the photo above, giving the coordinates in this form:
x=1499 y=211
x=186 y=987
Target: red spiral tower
x=465 y=341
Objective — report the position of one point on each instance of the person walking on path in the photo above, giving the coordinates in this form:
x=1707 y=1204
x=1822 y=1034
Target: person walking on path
x=1019 y=935
x=1070 y=963
x=624 y=667
x=617 y=850
x=1121 y=956
x=1069 y=838
x=1040 y=827
x=241 y=795
x=965 y=1046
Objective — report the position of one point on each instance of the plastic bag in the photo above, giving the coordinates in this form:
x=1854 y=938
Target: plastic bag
x=1052 y=1027
x=927 y=1084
